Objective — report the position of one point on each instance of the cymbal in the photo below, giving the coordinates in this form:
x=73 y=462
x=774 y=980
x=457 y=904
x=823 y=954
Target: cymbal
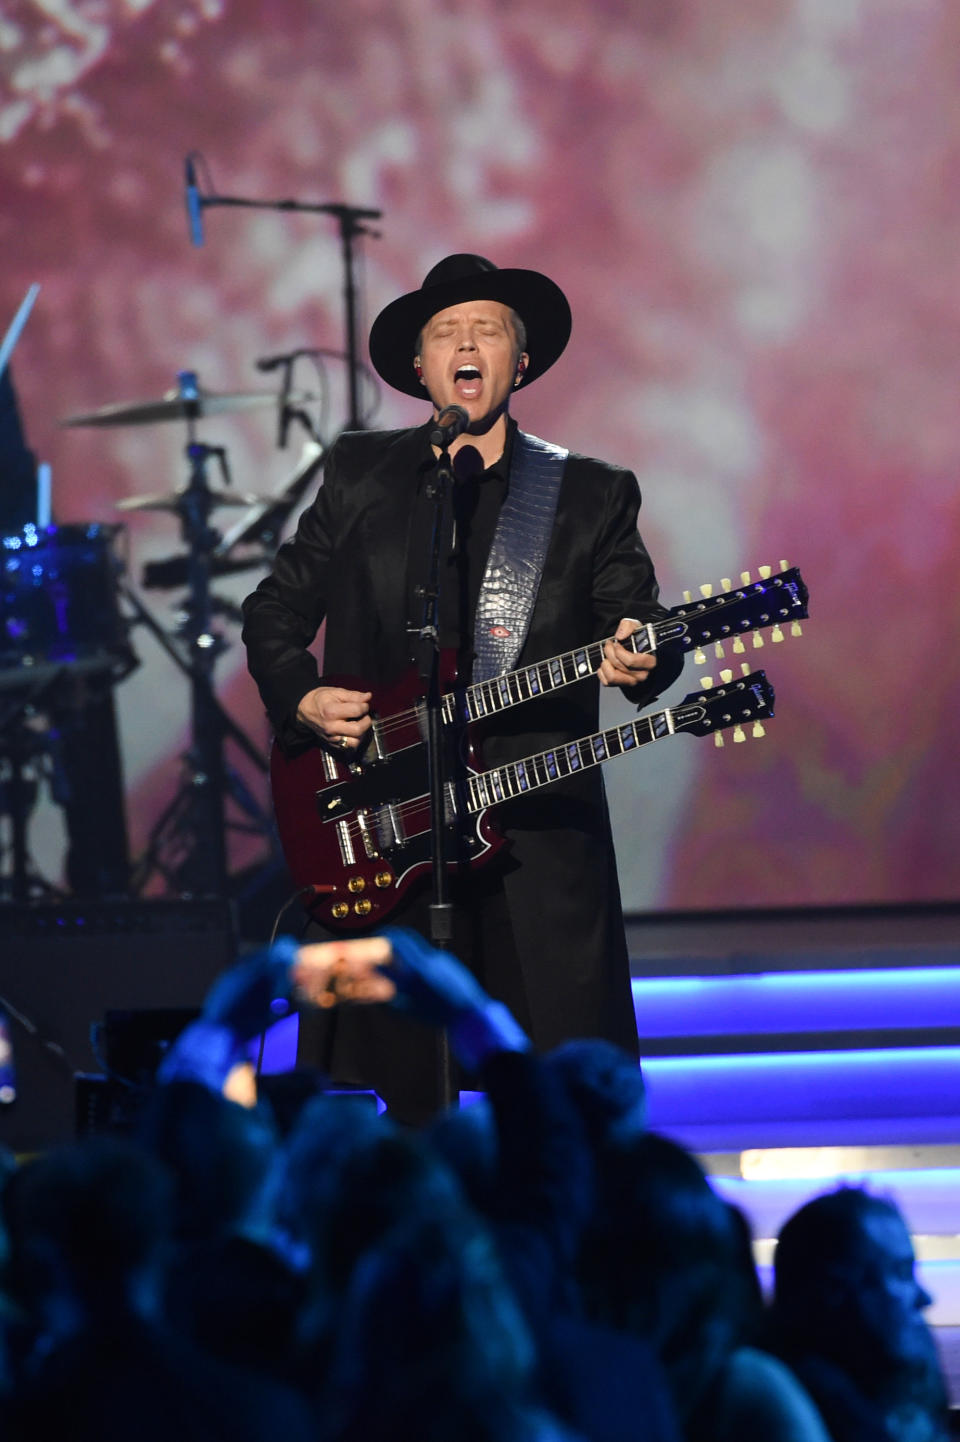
x=174 y=501
x=173 y=407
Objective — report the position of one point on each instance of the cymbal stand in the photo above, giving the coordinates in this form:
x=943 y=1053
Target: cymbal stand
x=236 y=733
x=195 y=818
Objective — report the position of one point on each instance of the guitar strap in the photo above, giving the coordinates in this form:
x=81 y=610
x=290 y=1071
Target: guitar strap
x=518 y=550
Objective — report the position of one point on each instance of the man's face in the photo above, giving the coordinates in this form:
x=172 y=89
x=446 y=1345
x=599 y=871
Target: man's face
x=468 y=356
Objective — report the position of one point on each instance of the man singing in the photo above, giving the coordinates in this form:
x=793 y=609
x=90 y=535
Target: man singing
x=540 y=555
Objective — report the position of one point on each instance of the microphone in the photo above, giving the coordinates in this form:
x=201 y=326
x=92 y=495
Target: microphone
x=194 y=202
x=271 y=362
x=450 y=423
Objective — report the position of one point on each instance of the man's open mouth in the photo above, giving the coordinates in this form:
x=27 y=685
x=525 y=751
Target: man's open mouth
x=467 y=382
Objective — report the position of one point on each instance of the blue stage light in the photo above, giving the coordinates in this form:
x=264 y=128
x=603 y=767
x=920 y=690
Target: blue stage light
x=797 y=1002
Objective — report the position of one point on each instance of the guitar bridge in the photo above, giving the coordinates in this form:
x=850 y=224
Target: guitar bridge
x=366 y=834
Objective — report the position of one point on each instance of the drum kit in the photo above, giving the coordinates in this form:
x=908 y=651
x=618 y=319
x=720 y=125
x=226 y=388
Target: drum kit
x=63 y=631
x=66 y=611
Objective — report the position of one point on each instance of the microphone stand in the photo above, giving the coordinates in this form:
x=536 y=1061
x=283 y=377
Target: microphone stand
x=349 y=220
x=428 y=652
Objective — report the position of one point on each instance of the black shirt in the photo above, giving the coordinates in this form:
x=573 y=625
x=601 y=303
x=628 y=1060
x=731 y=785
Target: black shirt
x=470 y=519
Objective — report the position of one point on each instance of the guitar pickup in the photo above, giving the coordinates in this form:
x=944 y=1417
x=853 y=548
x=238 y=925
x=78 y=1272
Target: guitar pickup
x=381 y=830
x=389 y=827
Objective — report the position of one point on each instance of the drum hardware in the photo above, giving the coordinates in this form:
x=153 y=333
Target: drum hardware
x=266 y=519
x=173 y=572
x=219 y=606
x=62 y=732
x=63 y=646
x=187 y=845
x=175 y=500
x=59 y=605
x=260 y=527
x=171 y=848
x=178 y=406
x=143 y=615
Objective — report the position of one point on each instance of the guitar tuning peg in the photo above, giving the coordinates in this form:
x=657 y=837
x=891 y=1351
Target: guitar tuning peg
x=718 y=739
x=699 y=659
x=758 y=730
x=726 y=677
x=757 y=640
x=718 y=650
x=764 y=572
x=738 y=646
x=784 y=566
x=706 y=682
x=745 y=577
x=796 y=629
x=739 y=734
x=776 y=635
x=706 y=590
x=688 y=596
x=744 y=668
x=726 y=584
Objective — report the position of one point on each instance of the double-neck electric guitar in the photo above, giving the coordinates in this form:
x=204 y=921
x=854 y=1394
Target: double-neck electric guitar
x=356 y=831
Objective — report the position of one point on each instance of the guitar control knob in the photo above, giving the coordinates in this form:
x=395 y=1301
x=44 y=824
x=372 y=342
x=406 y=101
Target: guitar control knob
x=339 y=910
x=383 y=878
x=356 y=883
x=364 y=907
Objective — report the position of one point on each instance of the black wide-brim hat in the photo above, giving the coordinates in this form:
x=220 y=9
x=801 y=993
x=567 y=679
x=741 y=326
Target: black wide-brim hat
x=537 y=300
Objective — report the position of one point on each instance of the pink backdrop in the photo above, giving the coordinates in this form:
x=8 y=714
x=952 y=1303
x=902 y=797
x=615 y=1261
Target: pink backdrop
x=754 y=210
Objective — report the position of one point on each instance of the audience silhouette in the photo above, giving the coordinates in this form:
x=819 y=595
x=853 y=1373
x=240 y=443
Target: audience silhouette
x=537 y=1267
x=848 y=1318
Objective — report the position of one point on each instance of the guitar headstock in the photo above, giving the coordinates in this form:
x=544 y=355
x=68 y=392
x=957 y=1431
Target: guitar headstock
x=747 y=701
x=777 y=601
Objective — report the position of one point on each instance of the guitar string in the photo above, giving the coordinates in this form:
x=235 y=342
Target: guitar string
x=758 y=590
x=408 y=811
x=399 y=719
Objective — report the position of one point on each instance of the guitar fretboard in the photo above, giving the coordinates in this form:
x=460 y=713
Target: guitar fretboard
x=486 y=698
x=516 y=778
x=767 y=602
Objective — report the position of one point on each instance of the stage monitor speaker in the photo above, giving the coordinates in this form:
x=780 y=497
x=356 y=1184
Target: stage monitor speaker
x=64 y=965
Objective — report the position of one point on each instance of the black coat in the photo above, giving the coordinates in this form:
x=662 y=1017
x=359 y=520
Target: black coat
x=348 y=564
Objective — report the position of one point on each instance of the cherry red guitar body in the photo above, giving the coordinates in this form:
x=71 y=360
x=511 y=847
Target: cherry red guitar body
x=356 y=826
